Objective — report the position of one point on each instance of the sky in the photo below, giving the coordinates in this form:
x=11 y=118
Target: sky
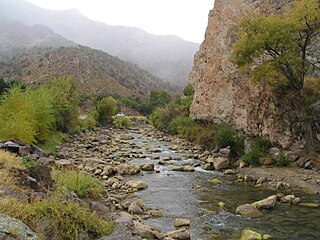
x=184 y=18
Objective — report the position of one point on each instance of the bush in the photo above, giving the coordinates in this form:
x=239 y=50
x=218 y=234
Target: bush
x=281 y=161
x=252 y=157
x=90 y=122
x=121 y=122
x=18 y=118
x=178 y=124
x=79 y=182
x=188 y=90
x=227 y=136
x=259 y=148
x=106 y=108
x=63 y=220
x=66 y=103
x=50 y=144
x=261 y=145
x=162 y=117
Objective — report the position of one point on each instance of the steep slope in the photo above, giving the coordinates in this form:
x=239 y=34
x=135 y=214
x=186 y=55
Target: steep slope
x=224 y=94
x=15 y=37
x=167 y=57
x=96 y=71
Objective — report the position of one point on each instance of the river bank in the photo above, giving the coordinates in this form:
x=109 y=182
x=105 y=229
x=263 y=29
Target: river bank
x=166 y=171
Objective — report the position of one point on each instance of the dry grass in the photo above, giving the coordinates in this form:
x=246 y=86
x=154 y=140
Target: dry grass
x=10 y=160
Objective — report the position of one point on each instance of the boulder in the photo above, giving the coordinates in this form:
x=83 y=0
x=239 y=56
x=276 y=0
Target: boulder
x=250 y=235
x=10 y=225
x=147 y=232
x=288 y=198
x=220 y=163
x=147 y=167
x=225 y=152
x=137 y=184
x=248 y=210
x=100 y=209
x=266 y=203
x=181 y=234
x=183 y=169
x=181 y=222
x=137 y=207
x=128 y=169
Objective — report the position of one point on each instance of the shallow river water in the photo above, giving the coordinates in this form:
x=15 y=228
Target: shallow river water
x=195 y=197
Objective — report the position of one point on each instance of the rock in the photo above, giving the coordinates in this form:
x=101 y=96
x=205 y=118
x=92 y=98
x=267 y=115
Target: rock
x=128 y=169
x=10 y=225
x=242 y=164
x=137 y=207
x=274 y=151
x=100 y=209
x=147 y=232
x=296 y=201
x=137 y=184
x=221 y=204
x=156 y=214
x=248 y=210
x=42 y=174
x=125 y=230
x=181 y=234
x=266 y=203
x=63 y=162
x=220 y=163
x=250 y=235
x=147 y=167
x=225 y=152
x=229 y=172
x=261 y=180
x=288 y=198
x=181 y=222
x=310 y=205
x=108 y=171
x=46 y=160
x=215 y=181
x=183 y=169
x=24 y=150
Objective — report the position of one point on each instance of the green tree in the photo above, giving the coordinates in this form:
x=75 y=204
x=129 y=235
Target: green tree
x=188 y=90
x=106 y=108
x=276 y=49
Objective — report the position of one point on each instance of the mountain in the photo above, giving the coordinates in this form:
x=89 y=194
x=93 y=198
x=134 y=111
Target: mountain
x=167 y=57
x=15 y=36
x=97 y=72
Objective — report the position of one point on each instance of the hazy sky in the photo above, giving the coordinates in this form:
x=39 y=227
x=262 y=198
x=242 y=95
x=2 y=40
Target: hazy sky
x=185 y=18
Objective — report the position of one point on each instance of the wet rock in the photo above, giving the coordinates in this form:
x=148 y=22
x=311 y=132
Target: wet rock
x=147 y=232
x=147 y=167
x=296 y=201
x=137 y=184
x=288 y=198
x=137 y=207
x=220 y=163
x=248 y=210
x=250 y=235
x=156 y=214
x=310 y=205
x=128 y=169
x=181 y=234
x=10 y=225
x=266 y=203
x=183 y=169
x=229 y=172
x=181 y=222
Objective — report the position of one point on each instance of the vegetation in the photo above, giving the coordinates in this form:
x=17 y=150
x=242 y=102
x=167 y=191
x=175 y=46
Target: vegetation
x=121 y=122
x=276 y=49
x=259 y=148
x=106 y=108
x=80 y=183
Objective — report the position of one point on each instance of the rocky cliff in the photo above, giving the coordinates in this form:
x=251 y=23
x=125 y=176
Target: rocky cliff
x=224 y=94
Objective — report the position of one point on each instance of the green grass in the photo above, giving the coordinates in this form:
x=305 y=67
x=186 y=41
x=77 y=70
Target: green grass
x=81 y=183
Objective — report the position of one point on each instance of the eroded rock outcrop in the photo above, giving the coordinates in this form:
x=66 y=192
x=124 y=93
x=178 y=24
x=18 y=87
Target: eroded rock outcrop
x=224 y=94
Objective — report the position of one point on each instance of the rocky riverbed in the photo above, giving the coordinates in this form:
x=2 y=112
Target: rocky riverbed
x=158 y=189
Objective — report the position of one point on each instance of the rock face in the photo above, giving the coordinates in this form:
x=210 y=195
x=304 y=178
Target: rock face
x=224 y=94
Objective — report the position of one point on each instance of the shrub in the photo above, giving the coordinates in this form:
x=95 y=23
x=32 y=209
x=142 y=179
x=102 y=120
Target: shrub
x=66 y=103
x=260 y=144
x=43 y=102
x=64 y=220
x=178 y=124
x=106 y=108
x=55 y=138
x=227 y=136
x=90 y=122
x=18 y=119
x=121 y=122
x=281 y=161
x=252 y=157
x=79 y=182
x=162 y=117
x=188 y=90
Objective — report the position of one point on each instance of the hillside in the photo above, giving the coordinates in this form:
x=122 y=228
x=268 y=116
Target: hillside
x=167 y=57
x=96 y=71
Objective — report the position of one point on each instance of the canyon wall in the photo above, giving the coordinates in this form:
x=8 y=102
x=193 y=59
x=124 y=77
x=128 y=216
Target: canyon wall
x=222 y=94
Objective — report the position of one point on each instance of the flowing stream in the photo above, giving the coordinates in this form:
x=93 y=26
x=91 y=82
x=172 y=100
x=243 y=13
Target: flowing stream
x=193 y=196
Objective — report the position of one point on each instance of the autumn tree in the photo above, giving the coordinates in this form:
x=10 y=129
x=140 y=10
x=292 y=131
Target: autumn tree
x=277 y=49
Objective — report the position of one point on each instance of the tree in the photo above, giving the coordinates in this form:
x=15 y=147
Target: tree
x=276 y=49
x=106 y=108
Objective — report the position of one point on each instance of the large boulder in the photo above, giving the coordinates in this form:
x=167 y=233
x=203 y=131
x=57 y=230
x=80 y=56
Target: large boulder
x=147 y=232
x=266 y=203
x=220 y=163
x=248 y=210
x=181 y=234
x=9 y=225
x=137 y=184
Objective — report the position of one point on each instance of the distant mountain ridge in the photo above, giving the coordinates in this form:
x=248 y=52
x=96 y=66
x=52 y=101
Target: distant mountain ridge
x=97 y=72
x=167 y=57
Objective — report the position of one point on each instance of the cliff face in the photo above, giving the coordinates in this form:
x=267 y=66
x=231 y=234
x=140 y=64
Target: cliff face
x=221 y=92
